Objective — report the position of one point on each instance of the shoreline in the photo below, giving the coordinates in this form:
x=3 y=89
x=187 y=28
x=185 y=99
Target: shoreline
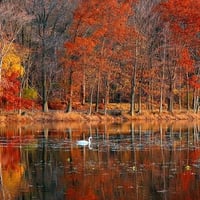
x=60 y=116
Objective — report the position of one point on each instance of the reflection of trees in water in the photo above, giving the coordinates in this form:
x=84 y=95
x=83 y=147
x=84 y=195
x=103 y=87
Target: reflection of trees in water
x=11 y=168
x=151 y=167
x=133 y=163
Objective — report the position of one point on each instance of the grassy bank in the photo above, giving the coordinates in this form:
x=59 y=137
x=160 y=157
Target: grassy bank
x=56 y=116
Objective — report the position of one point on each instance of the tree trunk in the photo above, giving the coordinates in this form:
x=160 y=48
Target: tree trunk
x=83 y=89
x=83 y=95
x=150 y=83
x=107 y=92
x=170 y=99
x=69 y=105
x=197 y=104
x=132 y=107
x=44 y=79
x=195 y=101
x=140 y=99
x=97 y=92
x=163 y=76
x=133 y=82
x=91 y=97
x=188 y=94
x=180 y=103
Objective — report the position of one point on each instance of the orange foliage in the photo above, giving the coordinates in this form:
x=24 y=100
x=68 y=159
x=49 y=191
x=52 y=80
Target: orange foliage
x=9 y=94
x=57 y=105
x=194 y=81
x=184 y=18
x=186 y=62
x=11 y=169
x=93 y=43
x=11 y=72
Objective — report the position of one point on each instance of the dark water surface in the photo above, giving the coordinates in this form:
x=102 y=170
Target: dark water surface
x=124 y=161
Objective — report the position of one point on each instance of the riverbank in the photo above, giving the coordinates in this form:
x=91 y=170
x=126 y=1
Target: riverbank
x=61 y=116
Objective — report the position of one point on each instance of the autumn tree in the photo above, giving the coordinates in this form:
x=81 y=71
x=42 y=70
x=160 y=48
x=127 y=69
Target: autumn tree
x=75 y=61
x=45 y=36
x=92 y=22
x=12 y=20
x=145 y=22
x=12 y=71
x=182 y=17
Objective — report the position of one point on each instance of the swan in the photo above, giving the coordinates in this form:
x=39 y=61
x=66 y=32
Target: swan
x=84 y=142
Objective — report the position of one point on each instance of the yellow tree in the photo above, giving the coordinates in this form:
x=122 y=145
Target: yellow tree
x=12 y=71
x=12 y=19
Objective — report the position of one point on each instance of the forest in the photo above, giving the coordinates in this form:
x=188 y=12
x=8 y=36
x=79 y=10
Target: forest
x=64 y=54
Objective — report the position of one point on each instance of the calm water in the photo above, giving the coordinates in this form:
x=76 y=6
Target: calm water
x=124 y=161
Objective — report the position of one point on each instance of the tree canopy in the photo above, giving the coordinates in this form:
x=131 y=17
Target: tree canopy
x=145 y=53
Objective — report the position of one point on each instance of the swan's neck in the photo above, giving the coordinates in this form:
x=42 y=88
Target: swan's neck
x=89 y=140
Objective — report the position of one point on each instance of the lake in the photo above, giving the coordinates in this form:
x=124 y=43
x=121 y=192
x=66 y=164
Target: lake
x=139 y=161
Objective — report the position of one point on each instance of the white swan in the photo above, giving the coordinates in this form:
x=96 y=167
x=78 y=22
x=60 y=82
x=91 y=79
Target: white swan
x=84 y=142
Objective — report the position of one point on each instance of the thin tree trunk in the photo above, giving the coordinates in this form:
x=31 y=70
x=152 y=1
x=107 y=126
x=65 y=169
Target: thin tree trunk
x=99 y=76
x=132 y=108
x=163 y=76
x=161 y=91
x=133 y=83
x=152 y=97
x=149 y=104
x=179 y=97
x=140 y=99
x=107 y=92
x=83 y=88
x=83 y=95
x=69 y=106
x=195 y=100
x=91 y=97
x=140 y=90
x=44 y=79
x=188 y=94
x=171 y=98
x=97 y=92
